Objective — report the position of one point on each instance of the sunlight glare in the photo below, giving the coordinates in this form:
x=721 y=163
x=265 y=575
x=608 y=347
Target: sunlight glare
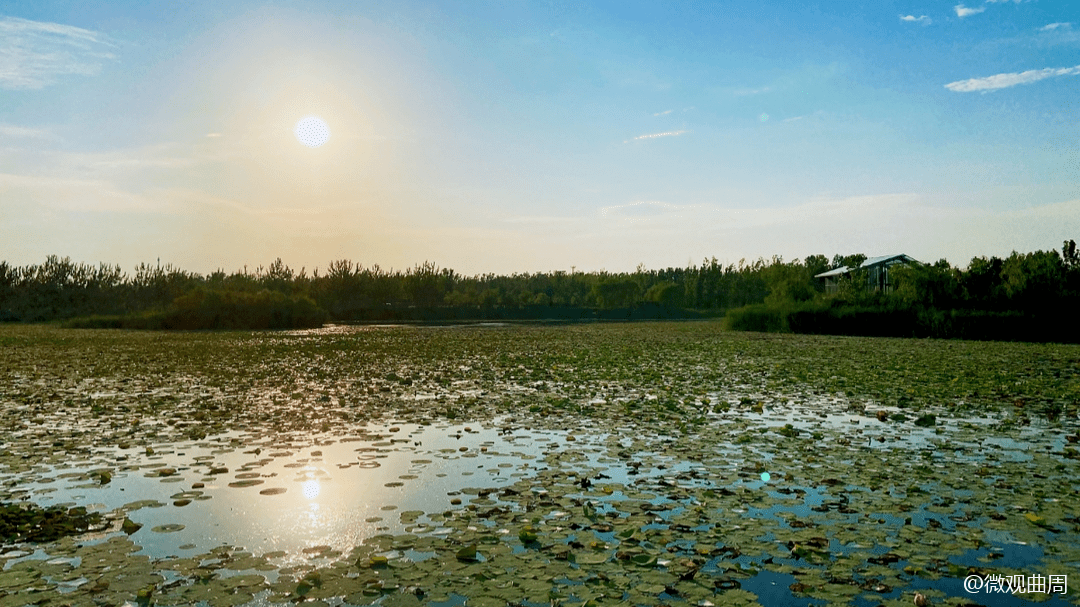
x=312 y=131
x=311 y=489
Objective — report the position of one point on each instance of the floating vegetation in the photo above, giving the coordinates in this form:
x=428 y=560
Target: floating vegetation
x=30 y=523
x=129 y=526
x=599 y=464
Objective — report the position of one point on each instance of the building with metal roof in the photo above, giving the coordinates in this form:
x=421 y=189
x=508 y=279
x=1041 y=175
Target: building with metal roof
x=876 y=268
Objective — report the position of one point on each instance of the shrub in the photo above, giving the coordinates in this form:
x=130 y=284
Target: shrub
x=838 y=317
x=756 y=317
x=219 y=309
x=265 y=309
x=783 y=317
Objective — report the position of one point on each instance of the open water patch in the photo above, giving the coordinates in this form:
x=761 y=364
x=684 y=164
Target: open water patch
x=282 y=493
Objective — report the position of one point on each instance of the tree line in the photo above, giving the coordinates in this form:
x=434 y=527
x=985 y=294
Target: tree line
x=1025 y=296
x=1043 y=283
x=61 y=289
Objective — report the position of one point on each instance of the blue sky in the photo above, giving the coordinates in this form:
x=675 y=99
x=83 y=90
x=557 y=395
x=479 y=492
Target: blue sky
x=535 y=136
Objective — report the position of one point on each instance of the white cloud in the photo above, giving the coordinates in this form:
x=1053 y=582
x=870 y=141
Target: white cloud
x=923 y=19
x=33 y=54
x=13 y=132
x=540 y=219
x=746 y=92
x=655 y=135
x=963 y=11
x=642 y=211
x=663 y=113
x=1053 y=26
x=1000 y=81
x=663 y=233
x=78 y=195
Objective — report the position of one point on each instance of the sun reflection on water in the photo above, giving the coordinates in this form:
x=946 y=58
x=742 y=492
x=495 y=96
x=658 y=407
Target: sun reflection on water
x=372 y=482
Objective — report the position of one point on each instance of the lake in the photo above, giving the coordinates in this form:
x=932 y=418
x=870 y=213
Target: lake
x=638 y=464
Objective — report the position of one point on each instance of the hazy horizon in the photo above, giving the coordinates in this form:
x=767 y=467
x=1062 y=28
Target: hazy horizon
x=527 y=136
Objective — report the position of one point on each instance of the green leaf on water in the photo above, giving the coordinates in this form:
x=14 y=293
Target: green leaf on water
x=926 y=421
x=1038 y=520
x=592 y=558
x=129 y=526
x=468 y=553
x=528 y=535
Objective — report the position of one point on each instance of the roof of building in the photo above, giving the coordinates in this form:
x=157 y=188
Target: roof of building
x=886 y=260
x=833 y=272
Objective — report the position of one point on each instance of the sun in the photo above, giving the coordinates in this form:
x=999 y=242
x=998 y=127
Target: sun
x=312 y=131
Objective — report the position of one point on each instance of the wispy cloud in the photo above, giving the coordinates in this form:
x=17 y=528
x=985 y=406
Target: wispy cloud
x=33 y=54
x=963 y=11
x=540 y=219
x=747 y=91
x=794 y=118
x=20 y=132
x=1000 y=81
x=1053 y=26
x=642 y=211
x=663 y=113
x=79 y=195
x=923 y=19
x=655 y=135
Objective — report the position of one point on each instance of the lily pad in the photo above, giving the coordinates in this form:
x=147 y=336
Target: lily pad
x=129 y=526
x=468 y=553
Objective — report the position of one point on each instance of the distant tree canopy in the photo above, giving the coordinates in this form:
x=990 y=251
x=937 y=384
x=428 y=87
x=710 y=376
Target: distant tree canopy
x=1026 y=296
x=61 y=289
x=1037 y=282
x=1043 y=282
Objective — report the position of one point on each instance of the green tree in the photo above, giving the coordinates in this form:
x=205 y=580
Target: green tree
x=615 y=292
x=1069 y=256
x=981 y=283
x=666 y=293
x=932 y=285
x=788 y=283
x=1033 y=280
